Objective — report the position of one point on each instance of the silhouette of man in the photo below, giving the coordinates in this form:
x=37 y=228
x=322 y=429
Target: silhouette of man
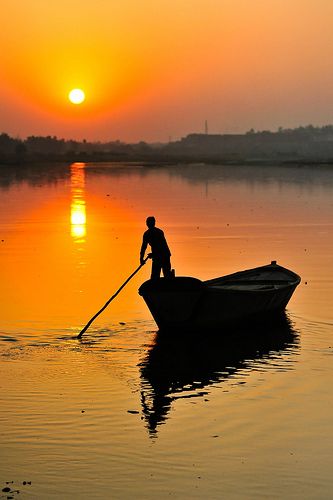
x=160 y=252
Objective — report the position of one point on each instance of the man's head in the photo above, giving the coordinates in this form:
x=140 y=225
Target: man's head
x=150 y=221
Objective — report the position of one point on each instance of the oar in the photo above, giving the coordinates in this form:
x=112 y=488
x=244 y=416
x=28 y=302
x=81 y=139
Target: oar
x=111 y=298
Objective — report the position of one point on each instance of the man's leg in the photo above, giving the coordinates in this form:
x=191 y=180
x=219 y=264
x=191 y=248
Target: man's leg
x=166 y=267
x=155 y=269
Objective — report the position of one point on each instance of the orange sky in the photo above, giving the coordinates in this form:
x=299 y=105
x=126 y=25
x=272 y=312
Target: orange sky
x=159 y=68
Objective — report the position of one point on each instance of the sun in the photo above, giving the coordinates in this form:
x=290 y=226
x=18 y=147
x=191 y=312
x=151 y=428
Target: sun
x=76 y=96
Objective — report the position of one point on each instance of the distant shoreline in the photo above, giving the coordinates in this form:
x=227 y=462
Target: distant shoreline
x=301 y=146
x=50 y=160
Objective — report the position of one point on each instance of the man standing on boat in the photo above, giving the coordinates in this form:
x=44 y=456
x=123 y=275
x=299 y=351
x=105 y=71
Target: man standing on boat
x=160 y=252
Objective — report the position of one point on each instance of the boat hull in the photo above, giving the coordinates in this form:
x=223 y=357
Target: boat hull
x=190 y=304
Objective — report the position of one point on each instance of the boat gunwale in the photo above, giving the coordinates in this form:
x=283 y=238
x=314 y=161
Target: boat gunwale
x=295 y=279
x=250 y=289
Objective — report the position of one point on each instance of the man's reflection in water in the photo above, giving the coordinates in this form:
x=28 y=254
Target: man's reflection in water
x=176 y=367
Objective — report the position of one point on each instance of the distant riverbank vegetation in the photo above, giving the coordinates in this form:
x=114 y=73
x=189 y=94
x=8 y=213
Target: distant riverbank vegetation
x=301 y=145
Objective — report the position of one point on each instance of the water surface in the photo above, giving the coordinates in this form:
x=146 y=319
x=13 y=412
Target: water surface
x=125 y=412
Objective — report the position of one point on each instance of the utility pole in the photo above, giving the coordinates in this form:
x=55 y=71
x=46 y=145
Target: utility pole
x=206 y=127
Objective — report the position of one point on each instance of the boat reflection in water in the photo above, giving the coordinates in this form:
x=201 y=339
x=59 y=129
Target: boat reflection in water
x=183 y=366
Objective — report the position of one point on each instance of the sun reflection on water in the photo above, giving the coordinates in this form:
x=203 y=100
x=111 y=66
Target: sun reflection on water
x=78 y=204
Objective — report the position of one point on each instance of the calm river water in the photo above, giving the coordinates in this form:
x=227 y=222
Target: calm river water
x=124 y=413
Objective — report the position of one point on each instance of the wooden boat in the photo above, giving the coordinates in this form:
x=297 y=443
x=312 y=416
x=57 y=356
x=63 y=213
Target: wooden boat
x=185 y=303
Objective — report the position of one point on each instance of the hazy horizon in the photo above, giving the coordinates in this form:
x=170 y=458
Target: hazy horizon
x=155 y=71
x=282 y=129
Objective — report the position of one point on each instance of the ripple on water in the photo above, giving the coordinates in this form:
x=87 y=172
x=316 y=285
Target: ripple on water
x=8 y=338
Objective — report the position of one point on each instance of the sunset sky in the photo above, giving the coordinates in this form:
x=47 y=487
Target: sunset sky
x=157 y=69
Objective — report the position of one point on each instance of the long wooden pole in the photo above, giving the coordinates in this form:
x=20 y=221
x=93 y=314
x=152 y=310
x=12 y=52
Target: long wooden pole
x=110 y=299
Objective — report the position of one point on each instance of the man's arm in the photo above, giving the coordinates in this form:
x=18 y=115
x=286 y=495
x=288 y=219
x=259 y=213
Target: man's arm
x=143 y=249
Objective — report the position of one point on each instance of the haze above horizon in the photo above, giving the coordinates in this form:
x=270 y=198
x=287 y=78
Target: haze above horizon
x=155 y=70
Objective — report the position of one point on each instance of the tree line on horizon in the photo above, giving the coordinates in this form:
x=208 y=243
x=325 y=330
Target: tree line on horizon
x=34 y=147
x=285 y=142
